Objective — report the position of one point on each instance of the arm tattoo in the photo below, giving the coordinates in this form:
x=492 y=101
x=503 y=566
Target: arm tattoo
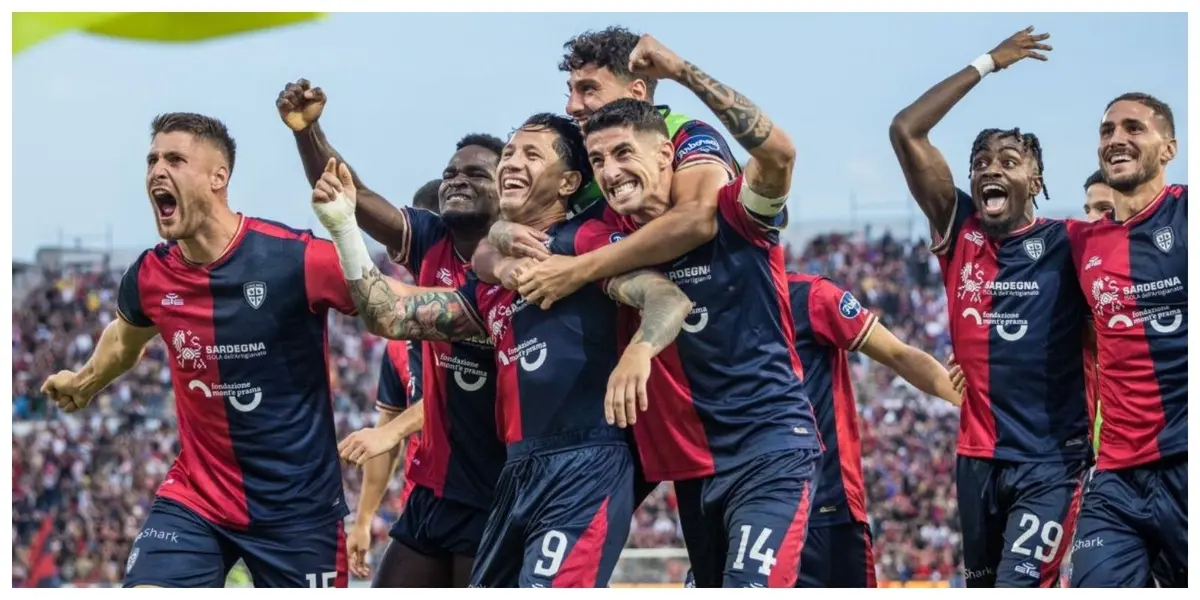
x=439 y=316
x=664 y=306
x=501 y=237
x=749 y=126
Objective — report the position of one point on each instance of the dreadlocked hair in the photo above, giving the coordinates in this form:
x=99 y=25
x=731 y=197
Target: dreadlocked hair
x=1029 y=143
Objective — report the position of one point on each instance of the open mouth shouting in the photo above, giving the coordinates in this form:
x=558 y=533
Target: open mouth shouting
x=165 y=201
x=624 y=191
x=995 y=198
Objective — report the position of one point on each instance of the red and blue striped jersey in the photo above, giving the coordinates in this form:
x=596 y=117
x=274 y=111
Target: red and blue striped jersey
x=396 y=393
x=553 y=365
x=459 y=457
x=1134 y=275
x=1017 y=327
x=730 y=387
x=247 y=339
x=830 y=322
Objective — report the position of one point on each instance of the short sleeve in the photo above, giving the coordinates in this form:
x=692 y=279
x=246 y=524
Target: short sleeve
x=838 y=318
x=324 y=280
x=943 y=241
x=129 y=296
x=423 y=229
x=591 y=235
x=760 y=230
x=697 y=142
x=393 y=393
x=415 y=373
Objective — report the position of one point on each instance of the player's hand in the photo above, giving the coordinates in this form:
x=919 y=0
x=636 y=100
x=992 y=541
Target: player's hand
x=650 y=58
x=367 y=443
x=300 y=104
x=1022 y=44
x=63 y=389
x=627 y=386
x=518 y=241
x=550 y=280
x=956 y=375
x=510 y=278
x=335 y=196
x=358 y=543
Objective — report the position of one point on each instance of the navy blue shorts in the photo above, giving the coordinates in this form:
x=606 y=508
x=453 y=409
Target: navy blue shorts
x=746 y=527
x=179 y=549
x=439 y=526
x=1017 y=520
x=838 y=556
x=1133 y=525
x=559 y=519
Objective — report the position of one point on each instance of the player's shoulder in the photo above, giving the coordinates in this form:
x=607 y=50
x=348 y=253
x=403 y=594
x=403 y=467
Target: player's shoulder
x=275 y=229
x=795 y=278
x=1179 y=191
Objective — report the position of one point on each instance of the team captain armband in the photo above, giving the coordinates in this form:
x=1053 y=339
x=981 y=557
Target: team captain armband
x=757 y=204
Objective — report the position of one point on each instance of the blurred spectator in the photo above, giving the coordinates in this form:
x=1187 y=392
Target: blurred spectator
x=92 y=475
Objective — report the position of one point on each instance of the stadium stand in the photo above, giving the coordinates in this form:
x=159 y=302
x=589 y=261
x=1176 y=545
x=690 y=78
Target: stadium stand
x=82 y=483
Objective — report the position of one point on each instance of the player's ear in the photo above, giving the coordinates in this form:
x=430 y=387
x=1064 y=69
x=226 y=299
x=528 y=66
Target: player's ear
x=666 y=154
x=219 y=179
x=1169 y=151
x=1035 y=185
x=637 y=89
x=569 y=183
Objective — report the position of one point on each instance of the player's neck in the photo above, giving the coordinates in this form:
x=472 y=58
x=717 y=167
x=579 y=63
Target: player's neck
x=465 y=241
x=213 y=238
x=1129 y=204
x=548 y=218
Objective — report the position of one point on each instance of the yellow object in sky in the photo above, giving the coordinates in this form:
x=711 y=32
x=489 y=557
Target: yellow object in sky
x=32 y=28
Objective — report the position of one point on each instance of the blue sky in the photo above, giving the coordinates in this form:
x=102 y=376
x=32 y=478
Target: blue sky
x=404 y=87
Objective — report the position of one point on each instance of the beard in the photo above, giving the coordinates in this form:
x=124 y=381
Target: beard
x=1147 y=169
x=467 y=221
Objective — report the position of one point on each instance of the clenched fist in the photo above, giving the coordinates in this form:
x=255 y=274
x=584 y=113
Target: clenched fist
x=650 y=58
x=334 y=197
x=63 y=388
x=300 y=104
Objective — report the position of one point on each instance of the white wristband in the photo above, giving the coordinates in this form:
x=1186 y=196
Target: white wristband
x=984 y=64
x=351 y=250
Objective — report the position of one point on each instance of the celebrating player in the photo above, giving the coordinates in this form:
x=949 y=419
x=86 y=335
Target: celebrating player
x=1133 y=270
x=1017 y=333
x=460 y=457
x=730 y=423
x=243 y=305
x=601 y=67
x=830 y=323
x=564 y=500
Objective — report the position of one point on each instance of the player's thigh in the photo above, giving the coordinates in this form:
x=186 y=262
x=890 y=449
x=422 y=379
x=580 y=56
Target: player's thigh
x=1171 y=522
x=311 y=557
x=501 y=548
x=979 y=518
x=439 y=526
x=1041 y=522
x=402 y=567
x=854 y=553
x=582 y=518
x=177 y=549
x=817 y=559
x=703 y=534
x=1109 y=551
x=766 y=518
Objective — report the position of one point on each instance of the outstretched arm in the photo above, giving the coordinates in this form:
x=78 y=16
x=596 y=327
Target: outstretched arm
x=300 y=106
x=664 y=307
x=924 y=167
x=920 y=369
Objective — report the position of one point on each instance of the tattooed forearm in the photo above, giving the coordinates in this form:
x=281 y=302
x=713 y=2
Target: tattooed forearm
x=749 y=126
x=664 y=306
x=500 y=236
x=440 y=316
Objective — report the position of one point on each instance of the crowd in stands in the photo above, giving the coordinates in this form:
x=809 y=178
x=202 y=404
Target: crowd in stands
x=83 y=483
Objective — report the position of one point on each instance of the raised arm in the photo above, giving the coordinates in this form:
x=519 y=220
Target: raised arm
x=386 y=311
x=925 y=169
x=300 y=106
x=663 y=307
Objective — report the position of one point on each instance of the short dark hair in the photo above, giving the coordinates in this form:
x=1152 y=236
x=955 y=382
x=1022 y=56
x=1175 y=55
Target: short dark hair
x=638 y=114
x=608 y=48
x=426 y=196
x=569 y=145
x=1160 y=108
x=1029 y=143
x=482 y=140
x=1093 y=179
x=206 y=128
